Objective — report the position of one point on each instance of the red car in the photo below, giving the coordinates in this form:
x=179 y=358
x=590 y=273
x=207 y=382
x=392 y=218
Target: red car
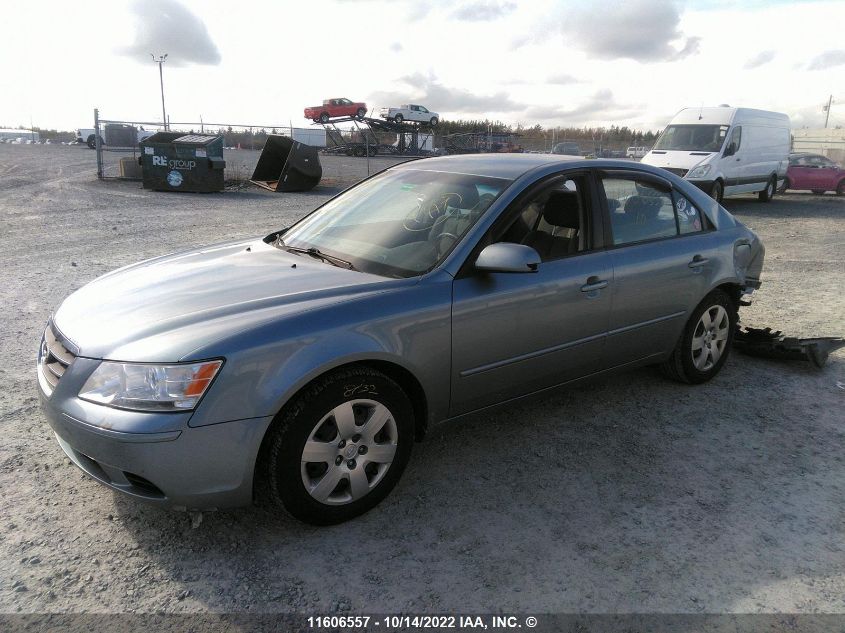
x=814 y=172
x=335 y=108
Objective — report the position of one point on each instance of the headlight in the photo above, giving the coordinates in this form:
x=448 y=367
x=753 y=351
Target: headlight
x=699 y=172
x=150 y=387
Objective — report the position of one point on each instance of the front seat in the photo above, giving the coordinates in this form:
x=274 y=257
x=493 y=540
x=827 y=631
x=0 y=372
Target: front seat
x=561 y=211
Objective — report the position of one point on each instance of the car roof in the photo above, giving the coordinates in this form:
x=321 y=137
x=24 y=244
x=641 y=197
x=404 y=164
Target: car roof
x=508 y=166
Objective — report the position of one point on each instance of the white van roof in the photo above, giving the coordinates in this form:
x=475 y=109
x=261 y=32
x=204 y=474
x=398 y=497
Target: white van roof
x=727 y=116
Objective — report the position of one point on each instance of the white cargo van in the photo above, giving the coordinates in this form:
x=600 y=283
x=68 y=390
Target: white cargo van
x=725 y=151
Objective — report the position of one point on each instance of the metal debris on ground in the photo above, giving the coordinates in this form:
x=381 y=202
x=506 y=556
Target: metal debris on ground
x=770 y=343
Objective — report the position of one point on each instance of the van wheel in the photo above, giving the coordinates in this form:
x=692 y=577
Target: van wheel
x=769 y=192
x=717 y=191
x=706 y=341
x=786 y=185
x=339 y=448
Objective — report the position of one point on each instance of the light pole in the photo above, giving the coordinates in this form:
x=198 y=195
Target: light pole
x=160 y=61
x=827 y=110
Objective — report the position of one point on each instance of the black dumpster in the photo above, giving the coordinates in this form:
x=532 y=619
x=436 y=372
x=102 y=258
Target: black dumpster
x=175 y=161
x=287 y=165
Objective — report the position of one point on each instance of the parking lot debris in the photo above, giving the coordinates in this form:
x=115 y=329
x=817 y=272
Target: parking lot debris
x=287 y=165
x=769 y=343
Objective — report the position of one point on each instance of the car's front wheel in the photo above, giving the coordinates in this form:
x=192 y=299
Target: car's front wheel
x=339 y=448
x=706 y=341
x=717 y=191
x=398 y=118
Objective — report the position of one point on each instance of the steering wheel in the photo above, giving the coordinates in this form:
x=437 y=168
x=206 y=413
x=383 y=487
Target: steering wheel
x=426 y=214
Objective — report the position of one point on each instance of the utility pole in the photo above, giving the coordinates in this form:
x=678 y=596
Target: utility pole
x=160 y=61
x=827 y=109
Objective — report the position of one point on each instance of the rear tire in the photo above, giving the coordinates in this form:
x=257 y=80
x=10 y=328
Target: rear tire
x=310 y=441
x=433 y=121
x=706 y=341
x=769 y=192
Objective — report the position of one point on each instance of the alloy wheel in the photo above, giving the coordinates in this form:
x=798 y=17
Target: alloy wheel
x=710 y=337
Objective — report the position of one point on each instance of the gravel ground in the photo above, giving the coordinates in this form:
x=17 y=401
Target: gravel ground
x=632 y=494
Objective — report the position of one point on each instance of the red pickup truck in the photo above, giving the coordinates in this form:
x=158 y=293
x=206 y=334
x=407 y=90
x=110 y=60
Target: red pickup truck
x=333 y=108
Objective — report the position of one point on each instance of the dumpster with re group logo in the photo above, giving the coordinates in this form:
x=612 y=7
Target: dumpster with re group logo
x=175 y=161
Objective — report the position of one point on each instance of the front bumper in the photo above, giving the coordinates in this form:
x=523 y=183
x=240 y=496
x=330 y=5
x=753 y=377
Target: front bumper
x=161 y=460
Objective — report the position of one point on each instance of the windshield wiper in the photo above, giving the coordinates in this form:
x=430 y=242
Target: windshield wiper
x=315 y=252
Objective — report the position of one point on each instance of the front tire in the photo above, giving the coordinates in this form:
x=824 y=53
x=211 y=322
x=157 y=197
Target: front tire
x=339 y=448
x=324 y=117
x=361 y=113
x=717 y=192
x=398 y=118
x=769 y=192
x=706 y=341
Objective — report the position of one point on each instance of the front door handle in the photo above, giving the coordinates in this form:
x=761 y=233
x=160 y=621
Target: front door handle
x=698 y=261
x=594 y=283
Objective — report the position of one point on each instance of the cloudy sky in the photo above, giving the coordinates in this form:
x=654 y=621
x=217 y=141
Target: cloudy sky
x=602 y=62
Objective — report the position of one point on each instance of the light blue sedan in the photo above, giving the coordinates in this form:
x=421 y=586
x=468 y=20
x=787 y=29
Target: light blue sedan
x=301 y=367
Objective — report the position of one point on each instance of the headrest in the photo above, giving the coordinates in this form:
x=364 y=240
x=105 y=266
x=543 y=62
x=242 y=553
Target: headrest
x=646 y=206
x=562 y=209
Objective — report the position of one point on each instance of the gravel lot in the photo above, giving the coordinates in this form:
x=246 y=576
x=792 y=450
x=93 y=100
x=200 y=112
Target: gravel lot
x=632 y=494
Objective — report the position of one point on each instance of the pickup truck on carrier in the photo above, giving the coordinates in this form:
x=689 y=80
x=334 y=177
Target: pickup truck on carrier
x=335 y=108
x=409 y=112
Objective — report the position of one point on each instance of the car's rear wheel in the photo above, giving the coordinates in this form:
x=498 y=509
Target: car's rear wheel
x=433 y=121
x=339 y=448
x=706 y=341
x=769 y=192
x=717 y=191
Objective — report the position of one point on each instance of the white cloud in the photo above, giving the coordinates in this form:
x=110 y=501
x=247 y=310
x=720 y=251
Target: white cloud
x=759 y=60
x=642 y=30
x=828 y=59
x=168 y=27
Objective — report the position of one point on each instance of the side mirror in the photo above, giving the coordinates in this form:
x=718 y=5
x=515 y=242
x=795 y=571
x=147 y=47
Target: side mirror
x=730 y=150
x=506 y=257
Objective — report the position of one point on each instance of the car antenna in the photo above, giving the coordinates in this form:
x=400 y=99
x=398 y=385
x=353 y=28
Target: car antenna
x=700 y=109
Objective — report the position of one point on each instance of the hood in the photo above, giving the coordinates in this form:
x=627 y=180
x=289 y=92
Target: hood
x=162 y=309
x=675 y=159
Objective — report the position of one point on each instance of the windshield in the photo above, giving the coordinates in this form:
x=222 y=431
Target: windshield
x=692 y=138
x=400 y=223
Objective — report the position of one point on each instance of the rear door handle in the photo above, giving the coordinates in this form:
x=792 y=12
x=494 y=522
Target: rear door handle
x=594 y=283
x=698 y=261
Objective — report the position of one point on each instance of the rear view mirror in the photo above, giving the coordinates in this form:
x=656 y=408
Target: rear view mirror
x=506 y=257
